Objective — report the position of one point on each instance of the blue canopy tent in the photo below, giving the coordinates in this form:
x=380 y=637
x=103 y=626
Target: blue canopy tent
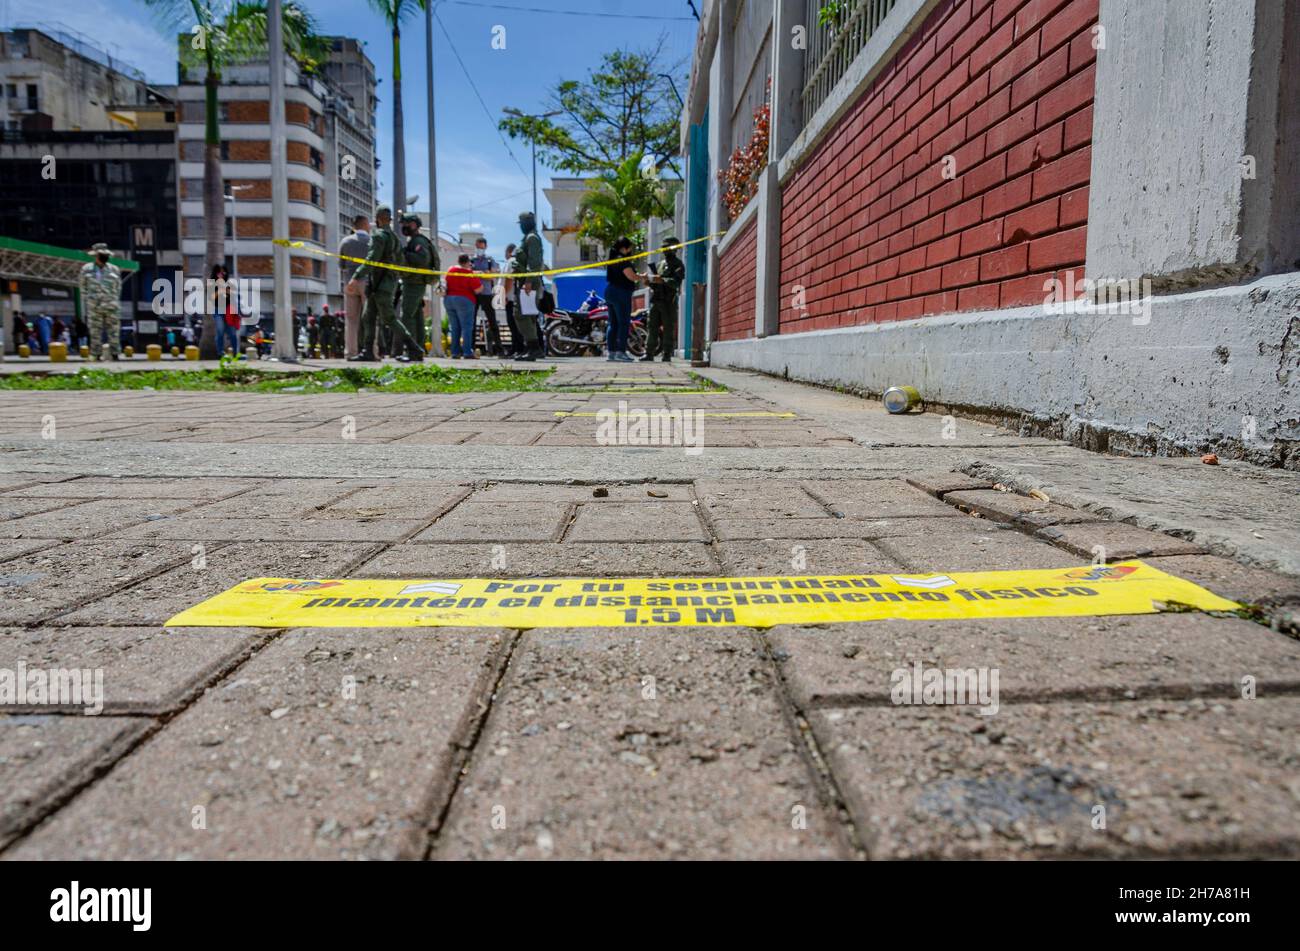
x=571 y=289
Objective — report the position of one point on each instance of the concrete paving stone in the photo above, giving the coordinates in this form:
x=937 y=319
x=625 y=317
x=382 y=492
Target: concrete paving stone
x=12 y=481
x=288 y=530
x=327 y=744
x=877 y=498
x=45 y=758
x=1176 y=778
x=158 y=599
x=1017 y=509
x=422 y=502
x=478 y=522
x=809 y=557
x=12 y=507
x=939 y=484
x=1092 y=658
x=96 y=517
x=11 y=550
x=1229 y=579
x=752 y=498
x=434 y=437
x=534 y=560
x=146 y=669
x=993 y=549
x=277 y=498
x=603 y=521
x=505 y=492
x=924 y=527
x=1120 y=541
x=500 y=436
x=90 y=487
x=581 y=764
x=66 y=576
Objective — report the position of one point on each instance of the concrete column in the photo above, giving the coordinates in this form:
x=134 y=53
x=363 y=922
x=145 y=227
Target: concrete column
x=720 y=106
x=788 y=28
x=1196 y=142
x=767 y=270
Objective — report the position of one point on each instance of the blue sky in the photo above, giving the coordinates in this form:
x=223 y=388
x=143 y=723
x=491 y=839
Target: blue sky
x=478 y=181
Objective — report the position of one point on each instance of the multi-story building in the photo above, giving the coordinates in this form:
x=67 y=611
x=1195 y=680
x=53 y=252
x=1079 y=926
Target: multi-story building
x=244 y=104
x=55 y=78
x=350 y=136
x=87 y=154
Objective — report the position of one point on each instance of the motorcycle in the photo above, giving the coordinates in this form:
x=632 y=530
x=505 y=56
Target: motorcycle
x=571 y=333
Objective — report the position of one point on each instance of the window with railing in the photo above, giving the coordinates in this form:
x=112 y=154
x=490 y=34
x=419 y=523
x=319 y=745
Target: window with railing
x=838 y=31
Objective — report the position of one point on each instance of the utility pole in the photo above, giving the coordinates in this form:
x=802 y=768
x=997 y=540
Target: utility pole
x=435 y=298
x=286 y=348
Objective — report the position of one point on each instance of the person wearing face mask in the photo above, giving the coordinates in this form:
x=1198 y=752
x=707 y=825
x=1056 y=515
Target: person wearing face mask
x=528 y=259
x=418 y=252
x=381 y=286
x=101 y=290
x=355 y=245
x=665 y=284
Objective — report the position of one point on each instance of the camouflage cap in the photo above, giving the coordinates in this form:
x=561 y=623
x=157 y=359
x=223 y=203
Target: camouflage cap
x=383 y=210
x=671 y=240
x=411 y=216
x=100 y=246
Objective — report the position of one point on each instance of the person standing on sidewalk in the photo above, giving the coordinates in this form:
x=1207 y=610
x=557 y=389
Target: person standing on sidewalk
x=528 y=260
x=101 y=288
x=355 y=245
x=508 y=293
x=621 y=280
x=462 y=292
x=484 y=263
x=419 y=253
x=381 y=285
x=665 y=285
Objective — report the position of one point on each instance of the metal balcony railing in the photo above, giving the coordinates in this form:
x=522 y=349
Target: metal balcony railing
x=833 y=47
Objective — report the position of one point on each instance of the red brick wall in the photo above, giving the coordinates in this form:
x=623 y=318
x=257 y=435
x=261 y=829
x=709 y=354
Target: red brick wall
x=871 y=229
x=736 y=290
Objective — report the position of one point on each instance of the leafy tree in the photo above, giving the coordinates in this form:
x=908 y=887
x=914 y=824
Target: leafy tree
x=627 y=106
x=620 y=200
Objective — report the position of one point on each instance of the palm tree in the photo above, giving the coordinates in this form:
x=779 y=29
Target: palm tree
x=618 y=203
x=215 y=34
x=393 y=13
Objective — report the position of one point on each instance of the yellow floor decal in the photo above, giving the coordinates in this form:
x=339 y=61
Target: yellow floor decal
x=1128 y=588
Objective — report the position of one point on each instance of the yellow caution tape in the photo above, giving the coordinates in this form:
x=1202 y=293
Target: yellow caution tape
x=320 y=252
x=1127 y=588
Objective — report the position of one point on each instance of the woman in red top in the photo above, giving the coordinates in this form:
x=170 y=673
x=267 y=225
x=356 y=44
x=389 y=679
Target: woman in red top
x=462 y=286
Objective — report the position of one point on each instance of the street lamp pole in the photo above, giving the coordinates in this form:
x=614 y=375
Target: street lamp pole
x=524 y=115
x=286 y=348
x=435 y=298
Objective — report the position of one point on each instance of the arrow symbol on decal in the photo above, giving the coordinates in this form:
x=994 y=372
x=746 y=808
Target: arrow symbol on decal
x=431 y=587
x=938 y=581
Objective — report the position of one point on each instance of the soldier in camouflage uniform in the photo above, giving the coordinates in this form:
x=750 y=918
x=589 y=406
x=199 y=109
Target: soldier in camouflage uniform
x=662 y=325
x=381 y=285
x=101 y=290
x=419 y=252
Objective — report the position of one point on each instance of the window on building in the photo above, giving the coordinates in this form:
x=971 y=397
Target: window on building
x=317 y=160
x=317 y=196
x=11 y=90
x=587 y=253
x=32 y=98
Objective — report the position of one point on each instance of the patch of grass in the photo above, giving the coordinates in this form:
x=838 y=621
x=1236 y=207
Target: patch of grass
x=235 y=375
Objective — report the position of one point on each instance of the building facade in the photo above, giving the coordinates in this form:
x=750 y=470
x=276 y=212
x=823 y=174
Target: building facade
x=244 y=103
x=1080 y=215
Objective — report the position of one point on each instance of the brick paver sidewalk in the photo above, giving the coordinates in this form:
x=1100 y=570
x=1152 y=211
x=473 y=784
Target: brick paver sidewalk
x=651 y=742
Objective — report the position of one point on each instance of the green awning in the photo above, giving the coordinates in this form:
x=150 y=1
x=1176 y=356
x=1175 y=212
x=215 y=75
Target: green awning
x=48 y=263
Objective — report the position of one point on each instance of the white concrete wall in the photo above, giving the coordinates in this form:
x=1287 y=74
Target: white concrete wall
x=1188 y=378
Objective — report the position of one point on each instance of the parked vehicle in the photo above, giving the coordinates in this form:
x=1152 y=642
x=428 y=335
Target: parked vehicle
x=571 y=333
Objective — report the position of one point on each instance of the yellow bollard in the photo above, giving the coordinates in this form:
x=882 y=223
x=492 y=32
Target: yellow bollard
x=153 y=352
x=428 y=346
x=128 y=351
x=24 y=351
x=84 y=353
x=191 y=352
x=58 y=352
x=176 y=351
